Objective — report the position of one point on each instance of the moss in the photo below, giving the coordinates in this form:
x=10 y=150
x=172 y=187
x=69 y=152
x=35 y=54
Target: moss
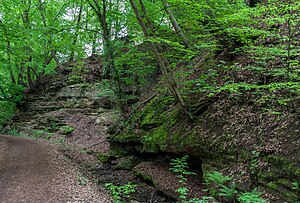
x=117 y=151
x=155 y=139
x=158 y=138
x=156 y=112
x=126 y=138
x=127 y=163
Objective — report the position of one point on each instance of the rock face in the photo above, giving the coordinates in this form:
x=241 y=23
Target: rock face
x=226 y=135
x=54 y=105
x=74 y=115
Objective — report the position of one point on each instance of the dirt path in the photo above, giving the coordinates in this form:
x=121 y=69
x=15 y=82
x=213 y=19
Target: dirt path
x=32 y=171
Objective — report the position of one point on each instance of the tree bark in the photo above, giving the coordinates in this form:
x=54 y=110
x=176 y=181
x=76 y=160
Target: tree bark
x=175 y=24
x=144 y=15
x=27 y=49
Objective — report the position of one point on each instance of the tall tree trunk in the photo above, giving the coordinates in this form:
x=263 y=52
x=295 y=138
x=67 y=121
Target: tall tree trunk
x=48 y=55
x=59 y=65
x=8 y=49
x=108 y=50
x=94 y=43
x=72 y=54
x=167 y=72
x=27 y=49
x=175 y=24
x=149 y=24
x=12 y=76
x=101 y=15
x=29 y=79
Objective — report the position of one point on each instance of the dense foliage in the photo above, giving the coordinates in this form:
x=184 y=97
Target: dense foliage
x=213 y=46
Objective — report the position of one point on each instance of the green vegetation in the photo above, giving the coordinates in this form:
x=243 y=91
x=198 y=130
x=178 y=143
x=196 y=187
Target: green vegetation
x=67 y=130
x=14 y=132
x=212 y=77
x=121 y=193
x=7 y=109
x=261 y=36
x=223 y=186
x=180 y=167
x=218 y=186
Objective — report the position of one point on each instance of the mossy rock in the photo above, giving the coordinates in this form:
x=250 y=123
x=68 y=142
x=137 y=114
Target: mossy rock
x=126 y=138
x=156 y=112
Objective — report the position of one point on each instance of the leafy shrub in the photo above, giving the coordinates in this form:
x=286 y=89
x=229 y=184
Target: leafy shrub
x=180 y=166
x=67 y=130
x=120 y=193
x=7 y=109
x=219 y=185
x=251 y=197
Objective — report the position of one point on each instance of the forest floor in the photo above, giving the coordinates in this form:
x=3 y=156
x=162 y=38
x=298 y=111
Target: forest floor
x=34 y=171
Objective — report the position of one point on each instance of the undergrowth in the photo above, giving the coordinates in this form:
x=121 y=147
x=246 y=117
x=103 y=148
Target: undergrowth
x=120 y=193
x=219 y=186
x=7 y=109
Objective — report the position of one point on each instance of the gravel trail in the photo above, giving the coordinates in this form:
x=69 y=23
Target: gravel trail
x=35 y=172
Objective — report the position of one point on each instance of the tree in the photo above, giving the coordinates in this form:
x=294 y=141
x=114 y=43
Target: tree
x=175 y=24
x=167 y=72
x=101 y=12
x=75 y=37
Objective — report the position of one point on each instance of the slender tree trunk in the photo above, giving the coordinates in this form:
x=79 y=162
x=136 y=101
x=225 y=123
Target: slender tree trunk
x=29 y=79
x=175 y=24
x=72 y=54
x=26 y=22
x=49 y=55
x=108 y=50
x=167 y=72
x=94 y=43
x=59 y=65
x=8 y=49
x=149 y=24
x=101 y=15
x=12 y=76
